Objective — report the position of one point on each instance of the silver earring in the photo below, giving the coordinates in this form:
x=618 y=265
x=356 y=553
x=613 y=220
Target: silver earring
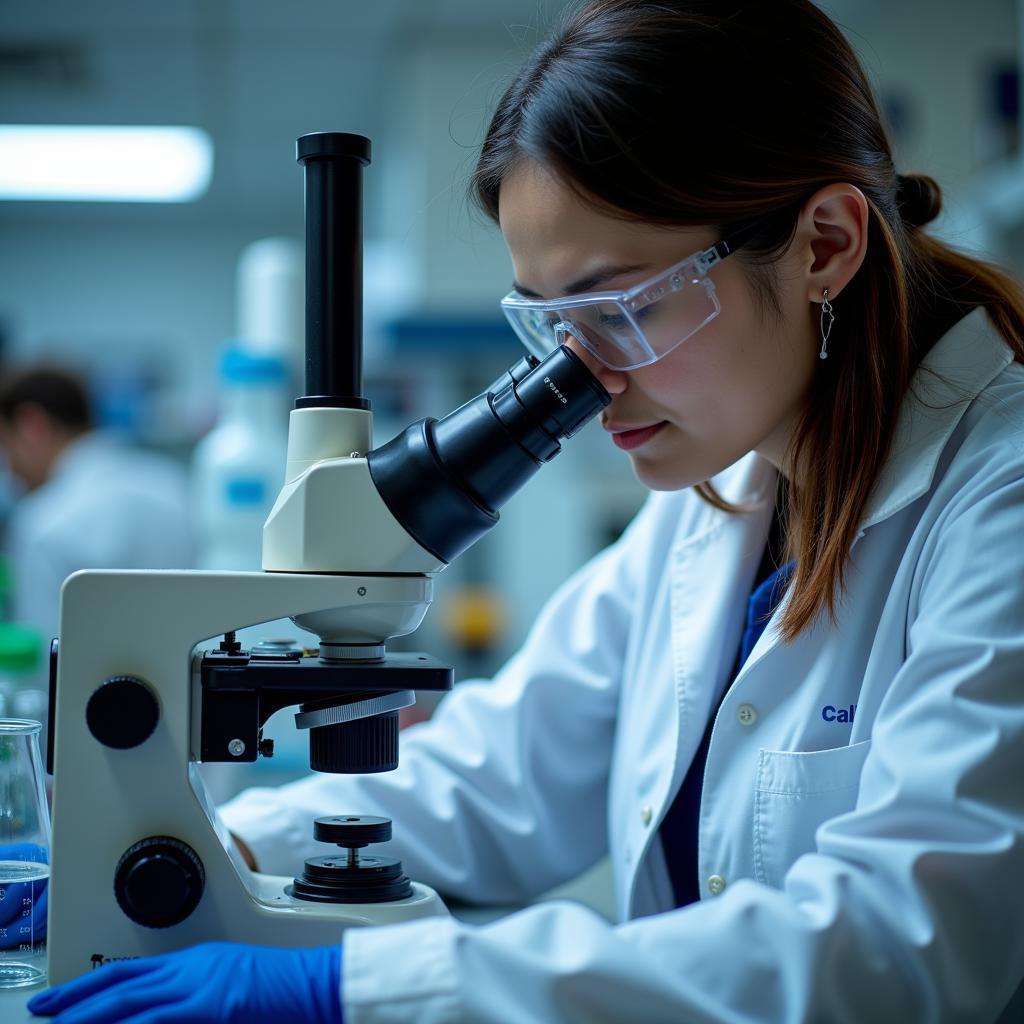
x=826 y=324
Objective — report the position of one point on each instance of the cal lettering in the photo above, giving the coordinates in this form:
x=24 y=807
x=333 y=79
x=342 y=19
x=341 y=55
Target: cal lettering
x=830 y=713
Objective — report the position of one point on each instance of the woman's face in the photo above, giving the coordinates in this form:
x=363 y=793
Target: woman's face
x=736 y=385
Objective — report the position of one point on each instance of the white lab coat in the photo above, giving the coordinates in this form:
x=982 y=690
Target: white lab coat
x=868 y=865
x=105 y=506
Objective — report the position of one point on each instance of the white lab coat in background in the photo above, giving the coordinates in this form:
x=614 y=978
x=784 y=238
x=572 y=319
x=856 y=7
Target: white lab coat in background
x=105 y=506
x=868 y=866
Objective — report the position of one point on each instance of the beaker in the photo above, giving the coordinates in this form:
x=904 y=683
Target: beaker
x=24 y=855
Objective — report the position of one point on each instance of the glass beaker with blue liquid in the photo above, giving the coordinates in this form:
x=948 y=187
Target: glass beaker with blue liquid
x=24 y=855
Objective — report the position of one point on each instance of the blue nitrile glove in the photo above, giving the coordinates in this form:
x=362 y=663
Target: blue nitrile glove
x=215 y=983
x=22 y=904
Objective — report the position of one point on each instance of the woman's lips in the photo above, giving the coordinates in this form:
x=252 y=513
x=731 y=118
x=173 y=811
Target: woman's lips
x=630 y=439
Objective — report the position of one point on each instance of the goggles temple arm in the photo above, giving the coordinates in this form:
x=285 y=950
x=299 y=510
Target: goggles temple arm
x=738 y=238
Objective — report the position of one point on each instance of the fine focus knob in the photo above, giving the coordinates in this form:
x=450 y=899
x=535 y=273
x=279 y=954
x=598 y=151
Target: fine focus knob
x=159 y=881
x=122 y=712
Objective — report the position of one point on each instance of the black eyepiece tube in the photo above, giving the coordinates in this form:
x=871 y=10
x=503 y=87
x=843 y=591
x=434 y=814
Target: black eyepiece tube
x=444 y=480
x=334 y=163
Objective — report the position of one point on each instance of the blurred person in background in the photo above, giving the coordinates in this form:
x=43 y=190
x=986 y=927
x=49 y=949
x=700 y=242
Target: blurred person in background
x=90 y=501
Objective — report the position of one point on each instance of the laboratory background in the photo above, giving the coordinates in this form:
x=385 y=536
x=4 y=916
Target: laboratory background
x=177 y=300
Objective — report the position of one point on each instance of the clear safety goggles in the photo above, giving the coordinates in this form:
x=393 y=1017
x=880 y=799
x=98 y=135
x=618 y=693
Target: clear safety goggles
x=628 y=329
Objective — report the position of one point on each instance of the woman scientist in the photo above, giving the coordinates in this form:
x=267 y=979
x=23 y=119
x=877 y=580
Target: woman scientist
x=820 y=822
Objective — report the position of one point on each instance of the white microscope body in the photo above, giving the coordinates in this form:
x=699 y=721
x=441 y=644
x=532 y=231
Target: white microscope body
x=142 y=628
x=139 y=696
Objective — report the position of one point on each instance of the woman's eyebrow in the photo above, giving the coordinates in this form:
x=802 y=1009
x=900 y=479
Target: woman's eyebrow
x=591 y=281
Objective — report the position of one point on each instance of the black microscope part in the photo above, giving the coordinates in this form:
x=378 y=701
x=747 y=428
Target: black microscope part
x=352 y=831
x=159 y=881
x=444 y=480
x=351 y=877
x=333 y=163
x=122 y=712
x=241 y=691
x=360 y=747
x=229 y=645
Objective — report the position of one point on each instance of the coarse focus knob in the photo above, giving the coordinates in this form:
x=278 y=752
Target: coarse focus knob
x=159 y=881
x=122 y=712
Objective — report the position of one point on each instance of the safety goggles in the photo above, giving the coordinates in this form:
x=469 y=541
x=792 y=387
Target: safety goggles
x=628 y=329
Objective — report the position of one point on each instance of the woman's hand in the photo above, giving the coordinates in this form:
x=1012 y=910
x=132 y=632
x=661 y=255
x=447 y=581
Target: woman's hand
x=214 y=983
x=244 y=850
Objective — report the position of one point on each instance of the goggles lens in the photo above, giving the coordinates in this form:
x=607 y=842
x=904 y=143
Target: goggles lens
x=623 y=331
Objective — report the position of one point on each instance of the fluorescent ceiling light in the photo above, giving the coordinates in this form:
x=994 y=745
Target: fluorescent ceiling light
x=104 y=164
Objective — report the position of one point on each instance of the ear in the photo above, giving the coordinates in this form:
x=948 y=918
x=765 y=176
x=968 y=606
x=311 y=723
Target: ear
x=832 y=232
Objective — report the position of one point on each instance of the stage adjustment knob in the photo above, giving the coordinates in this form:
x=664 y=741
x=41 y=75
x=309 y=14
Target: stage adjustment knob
x=353 y=877
x=159 y=881
x=122 y=712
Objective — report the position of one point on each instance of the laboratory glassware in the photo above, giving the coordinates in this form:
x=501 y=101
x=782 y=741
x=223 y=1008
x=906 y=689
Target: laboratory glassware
x=24 y=855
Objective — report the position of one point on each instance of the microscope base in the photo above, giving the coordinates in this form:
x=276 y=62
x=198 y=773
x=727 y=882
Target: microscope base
x=271 y=918
x=269 y=891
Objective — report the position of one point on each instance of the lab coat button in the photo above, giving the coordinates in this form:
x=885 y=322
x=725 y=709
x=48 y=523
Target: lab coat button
x=716 y=883
x=747 y=714
x=646 y=814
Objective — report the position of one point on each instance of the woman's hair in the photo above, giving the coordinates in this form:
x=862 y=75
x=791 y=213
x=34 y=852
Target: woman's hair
x=724 y=112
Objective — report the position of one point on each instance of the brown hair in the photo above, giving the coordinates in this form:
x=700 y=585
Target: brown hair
x=60 y=394
x=724 y=112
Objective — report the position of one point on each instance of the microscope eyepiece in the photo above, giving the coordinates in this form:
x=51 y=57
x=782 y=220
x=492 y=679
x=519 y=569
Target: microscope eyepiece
x=444 y=480
x=561 y=397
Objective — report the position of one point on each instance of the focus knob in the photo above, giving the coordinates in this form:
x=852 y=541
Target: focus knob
x=122 y=712
x=352 y=832
x=159 y=881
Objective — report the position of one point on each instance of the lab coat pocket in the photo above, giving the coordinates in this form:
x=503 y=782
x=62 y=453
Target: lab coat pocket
x=797 y=791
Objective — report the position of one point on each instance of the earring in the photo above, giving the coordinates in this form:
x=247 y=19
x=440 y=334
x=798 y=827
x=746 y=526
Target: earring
x=826 y=325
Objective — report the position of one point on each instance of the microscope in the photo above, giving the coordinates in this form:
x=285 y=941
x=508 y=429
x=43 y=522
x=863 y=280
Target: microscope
x=148 y=680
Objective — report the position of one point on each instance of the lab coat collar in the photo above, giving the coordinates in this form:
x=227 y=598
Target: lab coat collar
x=969 y=356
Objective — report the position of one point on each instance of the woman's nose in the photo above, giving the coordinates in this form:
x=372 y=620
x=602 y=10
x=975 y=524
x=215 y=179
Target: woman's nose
x=613 y=381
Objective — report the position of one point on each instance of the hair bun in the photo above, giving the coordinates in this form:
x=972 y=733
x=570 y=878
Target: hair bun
x=919 y=198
